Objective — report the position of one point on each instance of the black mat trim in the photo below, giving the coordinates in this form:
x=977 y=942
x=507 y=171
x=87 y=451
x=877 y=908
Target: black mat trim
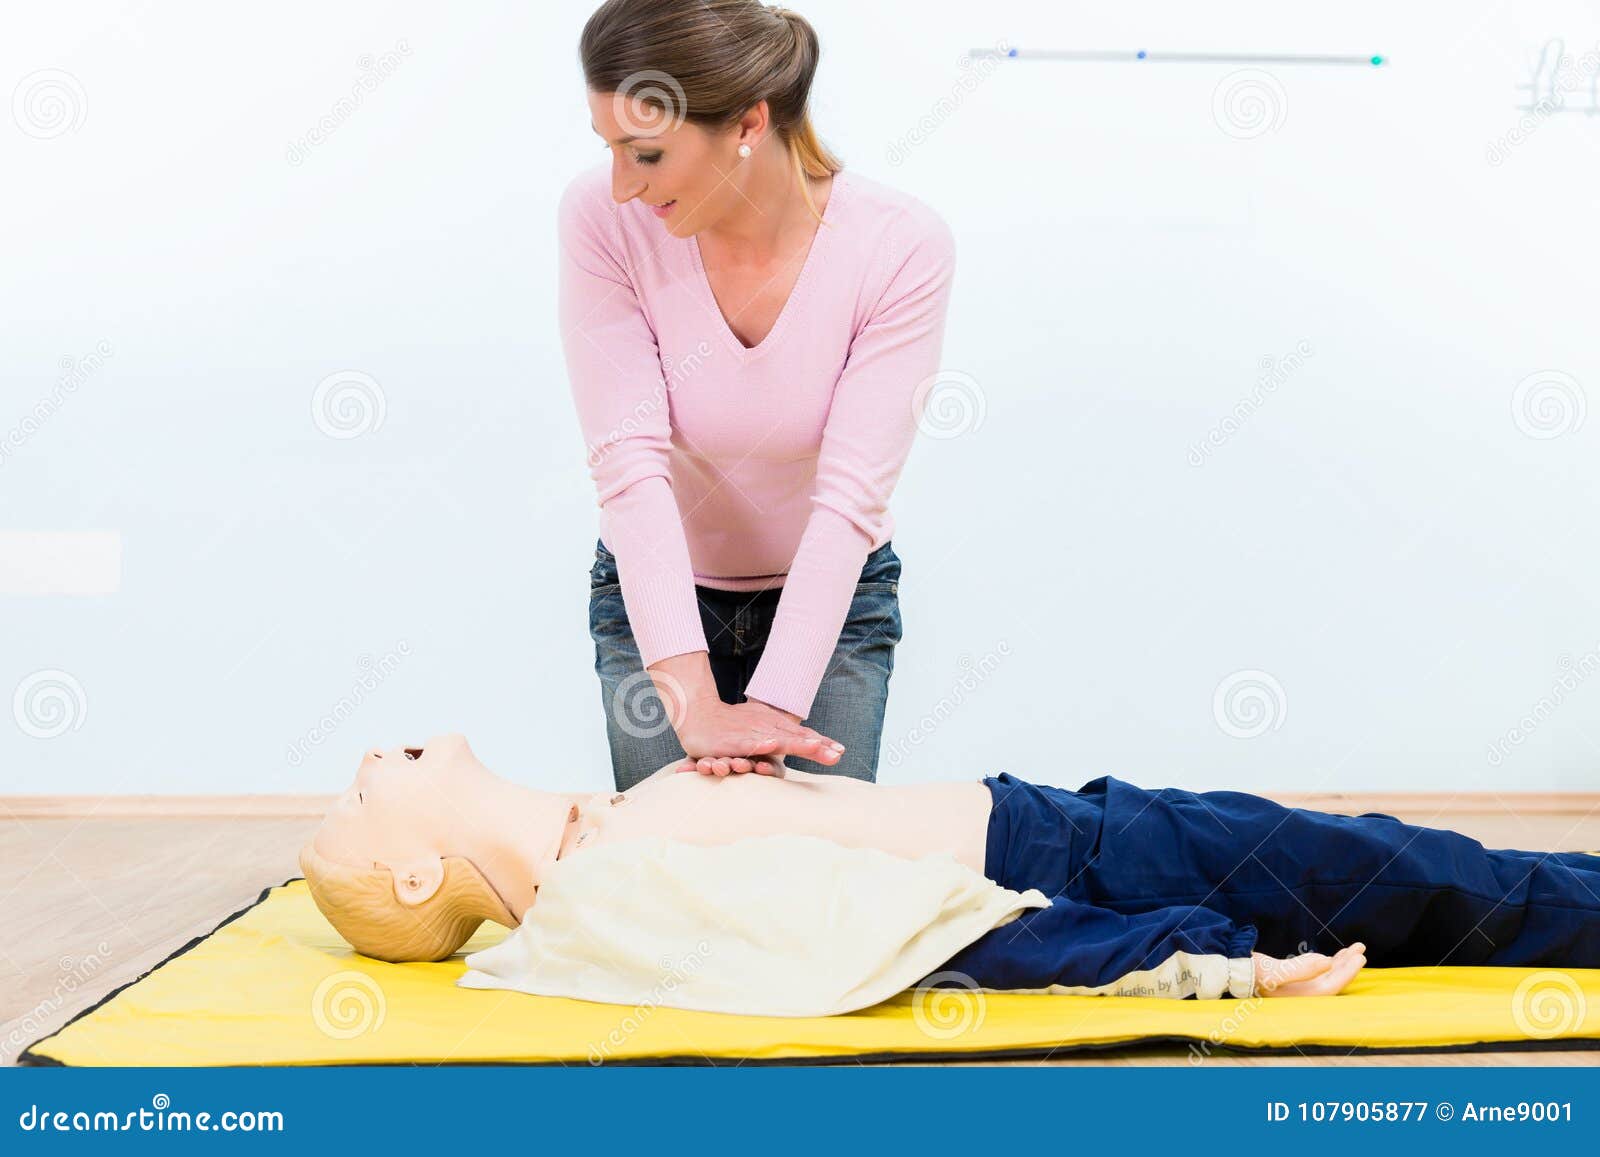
x=28 y=1057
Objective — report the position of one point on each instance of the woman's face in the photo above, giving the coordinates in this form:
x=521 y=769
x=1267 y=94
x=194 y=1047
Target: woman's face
x=668 y=162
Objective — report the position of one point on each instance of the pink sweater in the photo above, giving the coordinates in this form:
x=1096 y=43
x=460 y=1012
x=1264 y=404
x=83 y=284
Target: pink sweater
x=748 y=468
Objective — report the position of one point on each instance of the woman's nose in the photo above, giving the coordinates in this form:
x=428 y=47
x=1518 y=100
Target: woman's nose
x=624 y=191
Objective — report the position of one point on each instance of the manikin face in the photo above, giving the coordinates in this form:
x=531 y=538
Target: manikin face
x=401 y=806
x=671 y=160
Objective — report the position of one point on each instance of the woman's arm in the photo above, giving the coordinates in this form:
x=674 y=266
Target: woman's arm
x=614 y=370
x=871 y=424
x=621 y=395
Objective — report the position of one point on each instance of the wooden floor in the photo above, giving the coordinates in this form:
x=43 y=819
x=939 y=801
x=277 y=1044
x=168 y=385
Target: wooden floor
x=88 y=904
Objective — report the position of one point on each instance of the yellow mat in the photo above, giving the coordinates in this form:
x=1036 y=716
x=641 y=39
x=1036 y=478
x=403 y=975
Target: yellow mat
x=275 y=985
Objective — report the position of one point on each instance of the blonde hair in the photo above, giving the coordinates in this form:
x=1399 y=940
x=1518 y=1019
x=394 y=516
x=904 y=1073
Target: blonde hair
x=364 y=907
x=719 y=58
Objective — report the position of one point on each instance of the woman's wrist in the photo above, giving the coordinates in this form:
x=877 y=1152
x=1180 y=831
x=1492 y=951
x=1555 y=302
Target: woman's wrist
x=683 y=682
x=787 y=714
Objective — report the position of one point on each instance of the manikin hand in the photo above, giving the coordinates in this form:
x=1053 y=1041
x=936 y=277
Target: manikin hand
x=1310 y=973
x=721 y=738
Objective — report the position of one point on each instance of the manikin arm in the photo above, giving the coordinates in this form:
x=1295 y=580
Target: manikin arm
x=1077 y=948
x=1081 y=949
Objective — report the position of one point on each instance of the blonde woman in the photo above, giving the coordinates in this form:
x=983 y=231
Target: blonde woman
x=746 y=327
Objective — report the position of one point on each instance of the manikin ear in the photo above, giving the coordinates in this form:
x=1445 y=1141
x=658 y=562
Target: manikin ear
x=416 y=881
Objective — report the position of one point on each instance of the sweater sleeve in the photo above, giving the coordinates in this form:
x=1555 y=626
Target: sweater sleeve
x=614 y=369
x=871 y=424
x=1077 y=949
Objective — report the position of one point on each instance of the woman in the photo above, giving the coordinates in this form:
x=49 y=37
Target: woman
x=749 y=332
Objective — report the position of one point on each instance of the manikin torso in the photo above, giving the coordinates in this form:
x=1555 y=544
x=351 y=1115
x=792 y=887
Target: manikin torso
x=409 y=808
x=910 y=821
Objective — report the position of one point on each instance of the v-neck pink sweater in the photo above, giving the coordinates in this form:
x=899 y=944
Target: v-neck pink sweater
x=749 y=468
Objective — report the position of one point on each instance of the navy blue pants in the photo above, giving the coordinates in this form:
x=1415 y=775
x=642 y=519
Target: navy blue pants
x=1158 y=891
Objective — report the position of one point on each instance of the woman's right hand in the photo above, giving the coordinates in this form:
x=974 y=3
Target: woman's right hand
x=1310 y=973
x=734 y=738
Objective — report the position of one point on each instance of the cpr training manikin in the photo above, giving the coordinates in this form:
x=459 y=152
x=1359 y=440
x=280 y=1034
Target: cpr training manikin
x=792 y=895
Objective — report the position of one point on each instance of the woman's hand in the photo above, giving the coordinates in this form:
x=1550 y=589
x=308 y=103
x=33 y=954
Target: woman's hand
x=736 y=738
x=1310 y=973
x=736 y=765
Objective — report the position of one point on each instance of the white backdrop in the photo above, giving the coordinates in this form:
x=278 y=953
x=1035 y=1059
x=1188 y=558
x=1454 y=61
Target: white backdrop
x=1273 y=466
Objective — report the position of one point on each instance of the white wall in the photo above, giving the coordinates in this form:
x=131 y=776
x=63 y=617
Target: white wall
x=1385 y=536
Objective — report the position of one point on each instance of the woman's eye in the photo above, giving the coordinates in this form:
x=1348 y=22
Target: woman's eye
x=642 y=158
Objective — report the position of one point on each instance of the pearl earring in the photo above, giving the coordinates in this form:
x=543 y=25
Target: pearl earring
x=744 y=150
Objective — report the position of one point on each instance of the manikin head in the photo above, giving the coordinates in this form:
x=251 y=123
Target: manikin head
x=403 y=862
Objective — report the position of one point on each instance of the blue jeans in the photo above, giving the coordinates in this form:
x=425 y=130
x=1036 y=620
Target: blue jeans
x=850 y=702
